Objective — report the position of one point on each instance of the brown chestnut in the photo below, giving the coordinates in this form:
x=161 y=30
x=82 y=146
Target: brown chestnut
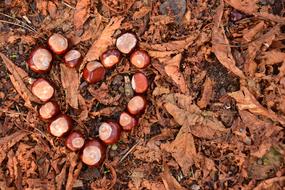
x=127 y=121
x=42 y=89
x=93 y=153
x=139 y=82
x=60 y=125
x=94 y=72
x=40 y=60
x=58 y=43
x=126 y=42
x=140 y=59
x=110 y=58
x=136 y=105
x=72 y=58
x=109 y=132
x=75 y=141
x=49 y=110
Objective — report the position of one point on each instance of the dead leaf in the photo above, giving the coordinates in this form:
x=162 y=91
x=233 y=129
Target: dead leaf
x=221 y=46
x=81 y=13
x=84 y=108
x=74 y=169
x=141 y=12
x=7 y=142
x=52 y=9
x=182 y=149
x=70 y=83
x=18 y=82
x=272 y=57
x=105 y=39
x=207 y=93
x=103 y=96
x=251 y=33
x=60 y=178
x=246 y=101
x=172 y=70
x=169 y=181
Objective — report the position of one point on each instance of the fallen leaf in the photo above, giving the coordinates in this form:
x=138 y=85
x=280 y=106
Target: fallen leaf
x=272 y=57
x=70 y=83
x=182 y=149
x=246 y=101
x=81 y=13
x=172 y=70
x=18 y=82
x=105 y=39
x=52 y=9
x=103 y=96
x=73 y=170
x=221 y=46
x=169 y=181
x=141 y=12
x=251 y=33
x=207 y=93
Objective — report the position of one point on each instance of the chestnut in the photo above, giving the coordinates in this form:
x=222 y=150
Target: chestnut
x=94 y=72
x=49 y=110
x=109 y=132
x=60 y=125
x=75 y=141
x=42 y=89
x=58 y=43
x=126 y=42
x=93 y=153
x=136 y=105
x=110 y=58
x=40 y=60
x=72 y=58
x=127 y=121
x=140 y=59
x=139 y=82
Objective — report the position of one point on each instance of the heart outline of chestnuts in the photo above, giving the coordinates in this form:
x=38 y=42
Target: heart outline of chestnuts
x=92 y=152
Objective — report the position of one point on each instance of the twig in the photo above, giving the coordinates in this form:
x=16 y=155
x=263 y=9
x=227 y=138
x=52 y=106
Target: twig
x=28 y=26
x=66 y=4
x=129 y=151
x=12 y=23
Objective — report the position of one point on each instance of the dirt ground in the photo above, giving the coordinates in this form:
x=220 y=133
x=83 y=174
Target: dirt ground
x=215 y=111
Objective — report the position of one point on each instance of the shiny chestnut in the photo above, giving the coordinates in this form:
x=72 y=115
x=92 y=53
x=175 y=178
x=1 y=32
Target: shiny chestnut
x=126 y=43
x=60 y=126
x=75 y=141
x=93 y=152
x=40 y=60
x=127 y=121
x=49 y=110
x=140 y=59
x=94 y=72
x=72 y=58
x=139 y=82
x=136 y=105
x=110 y=58
x=109 y=132
x=58 y=43
x=42 y=89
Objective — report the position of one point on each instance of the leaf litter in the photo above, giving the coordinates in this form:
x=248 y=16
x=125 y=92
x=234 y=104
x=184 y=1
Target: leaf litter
x=215 y=118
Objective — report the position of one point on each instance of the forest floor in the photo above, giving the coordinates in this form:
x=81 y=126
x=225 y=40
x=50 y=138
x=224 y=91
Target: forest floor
x=215 y=112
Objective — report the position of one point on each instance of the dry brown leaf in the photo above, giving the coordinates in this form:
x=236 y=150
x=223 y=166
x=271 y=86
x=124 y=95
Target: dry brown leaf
x=172 y=70
x=52 y=9
x=141 y=12
x=7 y=142
x=81 y=13
x=70 y=83
x=60 y=178
x=84 y=108
x=74 y=169
x=221 y=46
x=250 y=34
x=250 y=7
x=182 y=149
x=272 y=57
x=17 y=81
x=207 y=93
x=169 y=181
x=42 y=6
x=103 y=96
x=246 y=101
x=105 y=39
x=201 y=124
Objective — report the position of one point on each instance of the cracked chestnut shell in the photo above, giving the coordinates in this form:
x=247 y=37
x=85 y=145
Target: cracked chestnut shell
x=42 y=89
x=93 y=152
x=94 y=72
x=127 y=121
x=58 y=43
x=40 y=60
x=109 y=132
x=74 y=141
x=60 y=126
